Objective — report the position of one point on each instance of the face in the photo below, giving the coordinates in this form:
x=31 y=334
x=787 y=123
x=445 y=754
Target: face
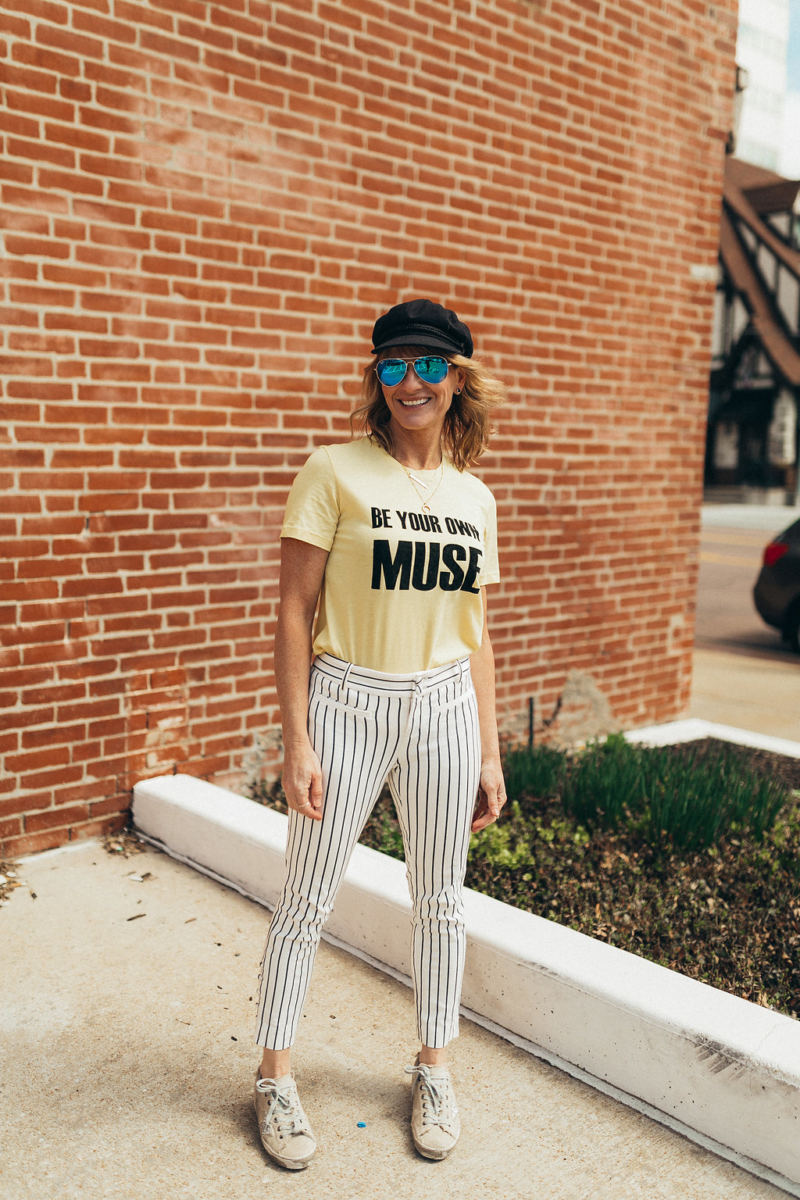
x=417 y=406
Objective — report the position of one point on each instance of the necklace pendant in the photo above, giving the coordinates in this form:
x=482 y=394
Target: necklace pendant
x=419 y=484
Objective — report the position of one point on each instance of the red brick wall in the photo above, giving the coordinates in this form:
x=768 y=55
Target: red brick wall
x=204 y=207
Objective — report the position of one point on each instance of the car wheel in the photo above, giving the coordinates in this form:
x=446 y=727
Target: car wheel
x=791 y=629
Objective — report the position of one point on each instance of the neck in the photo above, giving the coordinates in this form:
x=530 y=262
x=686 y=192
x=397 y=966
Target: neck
x=418 y=452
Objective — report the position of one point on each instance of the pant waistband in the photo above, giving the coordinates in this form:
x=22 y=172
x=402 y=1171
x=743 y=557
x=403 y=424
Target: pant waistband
x=345 y=673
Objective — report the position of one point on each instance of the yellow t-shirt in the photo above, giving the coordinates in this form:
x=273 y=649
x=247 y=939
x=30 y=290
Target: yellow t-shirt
x=402 y=587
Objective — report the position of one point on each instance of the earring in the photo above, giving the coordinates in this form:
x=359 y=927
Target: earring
x=457 y=392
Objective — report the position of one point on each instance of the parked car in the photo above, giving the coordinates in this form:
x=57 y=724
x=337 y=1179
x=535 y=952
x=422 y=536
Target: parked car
x=777 y=589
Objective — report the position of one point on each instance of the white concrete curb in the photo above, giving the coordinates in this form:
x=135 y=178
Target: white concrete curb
x=693 y=729
x=717 y=1068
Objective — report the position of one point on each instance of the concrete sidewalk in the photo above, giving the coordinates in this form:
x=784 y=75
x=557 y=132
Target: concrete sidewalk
x=766 y=518
x=755 y=684
x=747 y=691
x=127 y=1065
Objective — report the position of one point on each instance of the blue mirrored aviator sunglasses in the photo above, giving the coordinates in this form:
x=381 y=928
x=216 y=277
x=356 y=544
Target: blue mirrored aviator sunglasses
x=432 y=368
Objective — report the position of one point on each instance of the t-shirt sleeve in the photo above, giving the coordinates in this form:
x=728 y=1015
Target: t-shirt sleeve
x=490 y=570
x=312 y=507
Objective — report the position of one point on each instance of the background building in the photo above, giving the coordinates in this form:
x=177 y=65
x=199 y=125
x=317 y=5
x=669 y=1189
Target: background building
x=790 y=156
x=204 y=207
x=752 y=444
x=761 y=50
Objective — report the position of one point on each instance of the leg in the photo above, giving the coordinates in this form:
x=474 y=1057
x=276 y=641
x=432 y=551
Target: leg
x=275 y=1063
x=437 y=796
x=433 y=1056
x=354 y=763
x=435 y=786
x=353 y=751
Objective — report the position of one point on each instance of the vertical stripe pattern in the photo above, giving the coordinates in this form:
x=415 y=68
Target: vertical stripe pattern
x=420 y=732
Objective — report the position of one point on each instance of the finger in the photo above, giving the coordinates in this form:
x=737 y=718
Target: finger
x=298 y=800
x=306 y=809
x=499 y=802
x=315 y=791
x=479 y=815
x=312 y=797
x=493 y=802
x=486 y=813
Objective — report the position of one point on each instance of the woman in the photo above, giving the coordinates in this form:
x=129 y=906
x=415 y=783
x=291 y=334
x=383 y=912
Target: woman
x=392 y=539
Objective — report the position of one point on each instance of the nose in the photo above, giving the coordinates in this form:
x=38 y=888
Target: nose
x=411 y=379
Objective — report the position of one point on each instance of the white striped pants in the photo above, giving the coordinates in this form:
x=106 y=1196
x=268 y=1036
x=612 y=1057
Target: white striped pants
x=420 y=732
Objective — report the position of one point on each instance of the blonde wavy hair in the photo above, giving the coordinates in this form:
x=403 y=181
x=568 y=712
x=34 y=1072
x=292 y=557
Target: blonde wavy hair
x=465 y=434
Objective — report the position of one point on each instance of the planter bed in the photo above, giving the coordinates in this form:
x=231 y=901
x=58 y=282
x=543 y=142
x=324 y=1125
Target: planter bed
x=728 y=915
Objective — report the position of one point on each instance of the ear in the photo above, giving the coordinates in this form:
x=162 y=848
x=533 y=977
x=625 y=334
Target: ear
x=461 y=379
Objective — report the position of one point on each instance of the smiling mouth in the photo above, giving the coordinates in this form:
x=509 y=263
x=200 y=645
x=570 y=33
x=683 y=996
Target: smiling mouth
x=415 y=403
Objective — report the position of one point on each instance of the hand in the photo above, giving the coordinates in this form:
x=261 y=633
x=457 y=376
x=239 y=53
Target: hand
x=302 y=781
x=491 y=795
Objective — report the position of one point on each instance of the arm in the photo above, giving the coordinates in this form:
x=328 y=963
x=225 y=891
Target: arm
x=302 y=569
x=491 y=791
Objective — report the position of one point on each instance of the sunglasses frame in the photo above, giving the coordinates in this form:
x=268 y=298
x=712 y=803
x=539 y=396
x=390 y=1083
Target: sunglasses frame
x=413 y=362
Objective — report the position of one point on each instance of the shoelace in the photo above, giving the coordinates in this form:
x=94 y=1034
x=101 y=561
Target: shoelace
x=290 y=1117
x=436 y=1094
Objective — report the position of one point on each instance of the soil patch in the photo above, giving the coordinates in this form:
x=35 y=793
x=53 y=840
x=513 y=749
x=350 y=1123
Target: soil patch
x=728 y=915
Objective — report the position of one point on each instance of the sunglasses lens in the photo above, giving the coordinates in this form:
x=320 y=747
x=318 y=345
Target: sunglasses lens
x=391 y=370
x=431 y=369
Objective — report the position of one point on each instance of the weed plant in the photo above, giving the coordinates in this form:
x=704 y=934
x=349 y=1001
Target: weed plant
x=539 y=774
x=695 y=801
x=692 y=799
x=605 y=784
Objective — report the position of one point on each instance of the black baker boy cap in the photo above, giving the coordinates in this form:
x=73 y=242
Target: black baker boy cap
x=422 y=323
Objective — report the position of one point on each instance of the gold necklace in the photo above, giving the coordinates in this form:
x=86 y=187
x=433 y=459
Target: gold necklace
x=424 y=497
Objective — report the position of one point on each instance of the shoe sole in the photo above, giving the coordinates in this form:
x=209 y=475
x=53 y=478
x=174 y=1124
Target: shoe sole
x=291 y=1164
x=435 y=1155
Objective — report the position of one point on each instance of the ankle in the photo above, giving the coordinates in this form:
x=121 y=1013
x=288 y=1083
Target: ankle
x=432 y=1057
x=275 y=1064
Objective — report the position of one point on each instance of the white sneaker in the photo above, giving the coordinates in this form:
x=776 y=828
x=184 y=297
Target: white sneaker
x=435 y=1124
x=285 y=1132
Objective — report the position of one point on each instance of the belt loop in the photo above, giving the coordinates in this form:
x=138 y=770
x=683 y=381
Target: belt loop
x=460 y=671
x=343 y=681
